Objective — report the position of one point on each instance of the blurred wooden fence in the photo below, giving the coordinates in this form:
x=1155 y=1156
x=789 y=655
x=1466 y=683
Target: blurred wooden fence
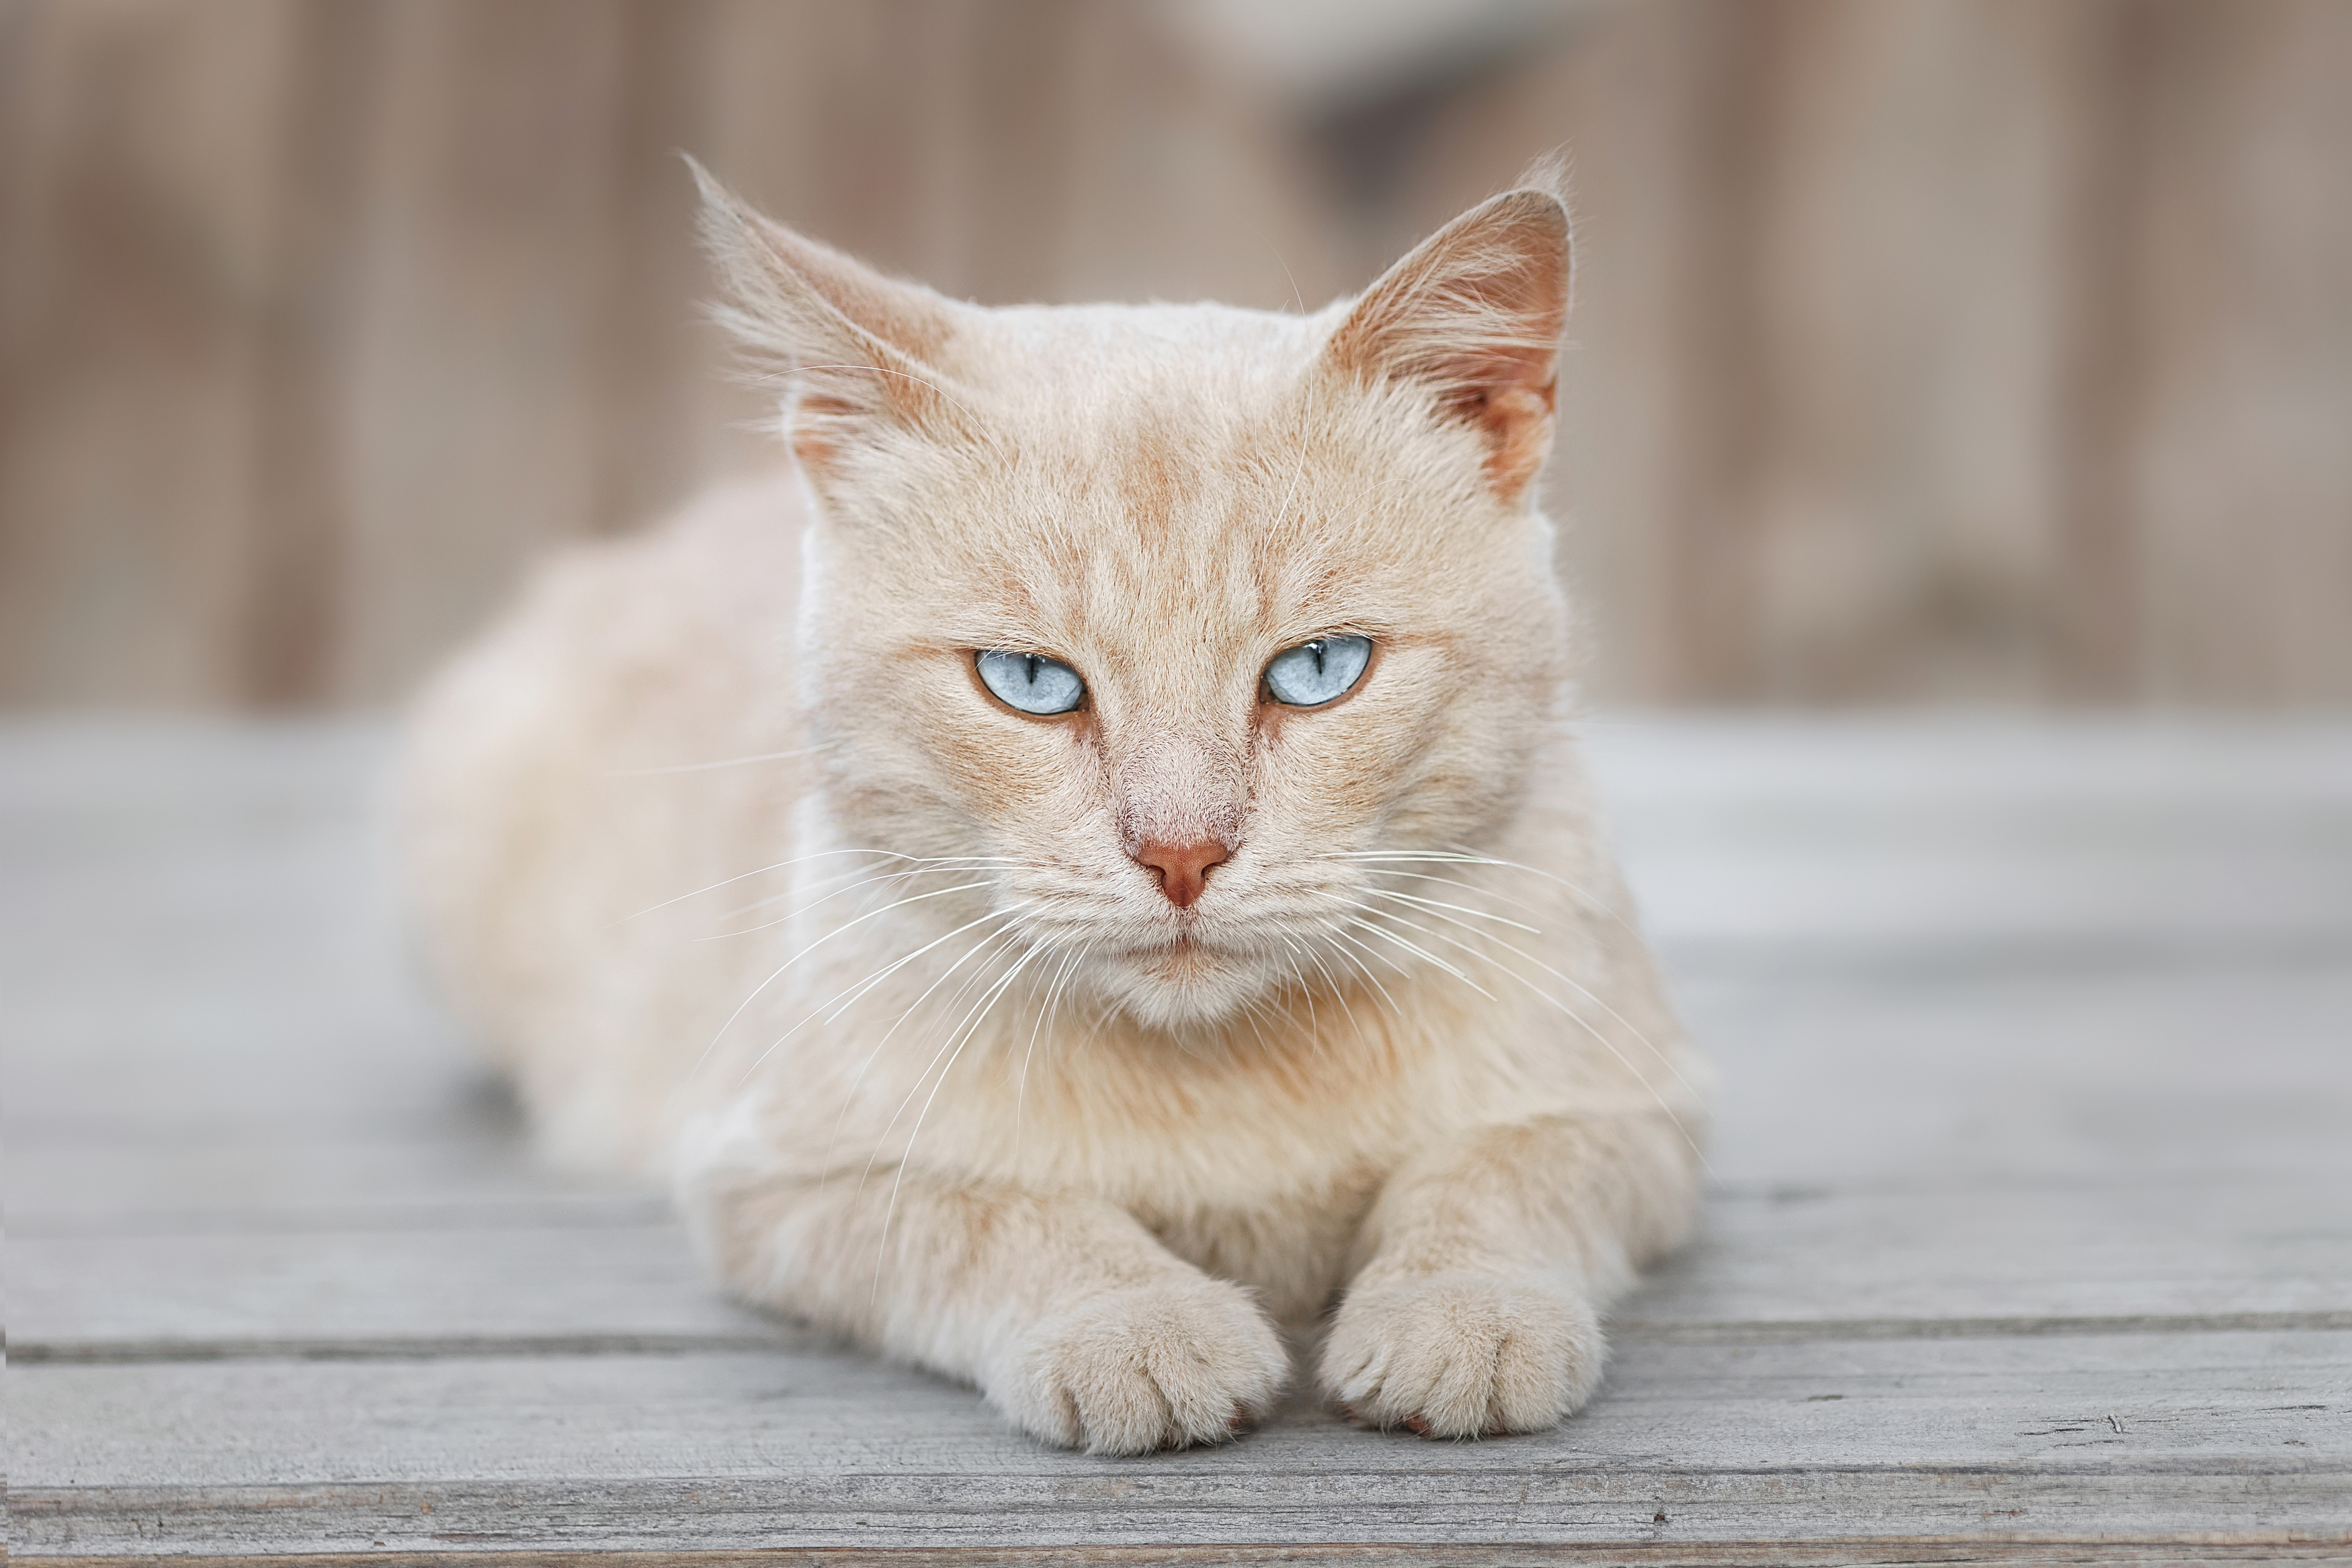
x=1927 y=347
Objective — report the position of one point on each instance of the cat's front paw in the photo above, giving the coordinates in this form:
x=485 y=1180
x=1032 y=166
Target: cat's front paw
x=1463 y=1356
x=1162 y=1366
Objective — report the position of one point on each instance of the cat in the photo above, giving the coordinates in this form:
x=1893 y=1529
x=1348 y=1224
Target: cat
x=1137 y=741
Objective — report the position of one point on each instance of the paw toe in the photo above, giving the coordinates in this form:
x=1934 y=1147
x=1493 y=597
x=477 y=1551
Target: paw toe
x=1163 y=1367
x=1463 y=1357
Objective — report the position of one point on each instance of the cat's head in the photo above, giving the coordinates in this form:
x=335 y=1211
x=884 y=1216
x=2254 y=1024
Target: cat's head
x=1171 y=615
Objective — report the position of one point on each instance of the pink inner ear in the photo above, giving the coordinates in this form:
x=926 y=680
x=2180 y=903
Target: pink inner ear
x=819 y=420
x=1518 y=421
x=1511 y=394
x=1476 y=313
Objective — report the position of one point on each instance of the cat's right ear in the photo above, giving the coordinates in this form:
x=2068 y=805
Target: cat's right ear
x=1475 y=315
x=859 y=350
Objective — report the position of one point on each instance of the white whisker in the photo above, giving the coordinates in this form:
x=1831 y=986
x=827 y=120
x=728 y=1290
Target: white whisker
x=777 y=971
x=1437 y=904
x=1472 y=857
x=1418 y=951
x=1603 y=1040
x=1251 y=1011
x=761 y=870
x=1044 y=1017
x=1373 y=979
x=1599 y=904
x=790 y=915
x=1307 y=994
x=946 y=866
x=707 y=767
x=857 y=991
x=874 y=1055
x=975 y=1018
x=1457 y=882
x=1664 y=1059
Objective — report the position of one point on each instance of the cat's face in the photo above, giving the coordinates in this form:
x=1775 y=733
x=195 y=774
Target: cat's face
x=1138 y=512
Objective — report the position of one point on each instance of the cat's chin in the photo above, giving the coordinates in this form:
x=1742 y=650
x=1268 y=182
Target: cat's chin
x=1184 y=985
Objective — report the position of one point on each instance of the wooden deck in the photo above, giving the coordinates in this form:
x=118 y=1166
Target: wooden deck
x=2030 y=1236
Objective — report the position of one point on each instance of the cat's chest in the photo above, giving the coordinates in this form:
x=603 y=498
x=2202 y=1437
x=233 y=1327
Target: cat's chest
x=1275 y=1142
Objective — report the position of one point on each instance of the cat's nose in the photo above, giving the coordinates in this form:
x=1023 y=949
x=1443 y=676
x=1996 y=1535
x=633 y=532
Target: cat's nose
x=1183 y=868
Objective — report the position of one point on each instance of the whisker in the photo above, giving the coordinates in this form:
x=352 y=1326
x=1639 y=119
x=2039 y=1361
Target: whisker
x=761 y=870
x=705 y=766
x=1601 y=905
x=1437 y=903
x=790 y=915
x=1307 y=994
x=1665 y=1060
x=1044 y=1017
x=874 y=1055
x=1419 y=951
x=947 y=866
x=1463 y=855
x=834 y=880
x=862 y=987
x=1281 y=1002
x=1432 y=957
x=1457 y=882
x=980 y=1016
x=1005 y=913
x=1338 y=991
x=1250 y=1010
x=950 y=1048
x=1374 y=980
x=1605 y=1043
x=774 y=973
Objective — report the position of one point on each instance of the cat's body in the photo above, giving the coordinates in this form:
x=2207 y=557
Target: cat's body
x=1058 y=1050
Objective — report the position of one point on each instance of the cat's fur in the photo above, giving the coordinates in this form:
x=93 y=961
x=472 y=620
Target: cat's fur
x=970 y=1087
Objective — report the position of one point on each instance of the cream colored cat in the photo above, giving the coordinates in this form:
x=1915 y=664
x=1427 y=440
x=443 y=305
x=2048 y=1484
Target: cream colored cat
x=1155 y=894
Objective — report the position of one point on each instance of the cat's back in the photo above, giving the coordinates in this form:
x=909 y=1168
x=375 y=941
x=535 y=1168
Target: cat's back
x=583 y=761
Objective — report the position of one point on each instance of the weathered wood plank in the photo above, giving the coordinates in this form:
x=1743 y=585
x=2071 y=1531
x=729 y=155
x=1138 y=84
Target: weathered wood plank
x=2211 y=1432
x=1994 y=837
x=107 y=1182
x=474 y=1283
x=2103 y=1551
x=2177 y=1248
x=698 y=1518
x=2182 y=1070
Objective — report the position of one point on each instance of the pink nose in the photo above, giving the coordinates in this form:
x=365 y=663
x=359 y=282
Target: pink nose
x=1183 y=868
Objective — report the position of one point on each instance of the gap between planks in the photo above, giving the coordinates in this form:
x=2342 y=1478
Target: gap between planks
x=2024 y=1551
x=1792 y=1331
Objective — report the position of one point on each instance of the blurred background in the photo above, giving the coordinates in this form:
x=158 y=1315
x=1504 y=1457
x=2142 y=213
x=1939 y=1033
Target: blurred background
x=1926 y=351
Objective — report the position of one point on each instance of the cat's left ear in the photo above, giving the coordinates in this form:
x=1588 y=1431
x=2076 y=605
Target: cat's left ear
x=860 y=351
x=1475 y=314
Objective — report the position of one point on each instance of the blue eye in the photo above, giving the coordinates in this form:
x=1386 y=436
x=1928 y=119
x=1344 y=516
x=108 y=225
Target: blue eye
x=1314 y=673
x=1031 y=681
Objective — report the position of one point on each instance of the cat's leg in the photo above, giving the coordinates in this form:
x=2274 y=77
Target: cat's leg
x=1482 y=1269
x=1077 y=1322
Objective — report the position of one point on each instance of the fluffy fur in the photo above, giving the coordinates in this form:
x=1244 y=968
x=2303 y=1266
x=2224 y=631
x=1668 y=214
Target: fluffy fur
x=720 y=843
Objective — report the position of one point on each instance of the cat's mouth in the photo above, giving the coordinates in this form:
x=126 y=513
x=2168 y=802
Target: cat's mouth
x=1182 y=944
x=1183 y=978
x=1182 y=953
